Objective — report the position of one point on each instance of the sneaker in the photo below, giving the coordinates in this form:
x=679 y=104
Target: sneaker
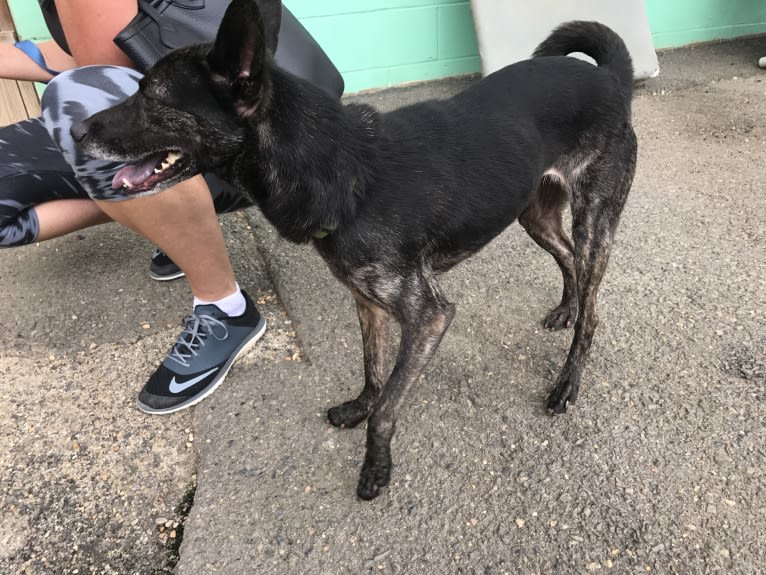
x=162 y=268
x=199 y=361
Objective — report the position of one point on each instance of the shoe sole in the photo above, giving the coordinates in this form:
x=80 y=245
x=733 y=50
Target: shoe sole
x=242 y=350
x=167 y=278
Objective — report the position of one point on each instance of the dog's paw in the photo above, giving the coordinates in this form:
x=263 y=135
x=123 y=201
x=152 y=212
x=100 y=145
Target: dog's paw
x=562 y=317
x=562 y=396
x=349 y=414
x=373 y=478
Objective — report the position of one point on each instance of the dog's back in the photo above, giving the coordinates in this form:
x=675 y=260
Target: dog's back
x=452 y=174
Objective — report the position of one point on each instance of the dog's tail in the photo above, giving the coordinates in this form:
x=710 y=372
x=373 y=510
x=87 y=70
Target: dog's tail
x=597 y=41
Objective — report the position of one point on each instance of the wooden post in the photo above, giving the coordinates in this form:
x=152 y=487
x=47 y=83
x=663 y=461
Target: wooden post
x=18 y=100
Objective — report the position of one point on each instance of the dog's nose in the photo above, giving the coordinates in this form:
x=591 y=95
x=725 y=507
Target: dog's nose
x=79 y=131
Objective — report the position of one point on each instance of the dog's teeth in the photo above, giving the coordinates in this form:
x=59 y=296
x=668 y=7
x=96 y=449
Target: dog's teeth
x=126 y=183
x=157 y=171
x=165 y=165
x=172 y=158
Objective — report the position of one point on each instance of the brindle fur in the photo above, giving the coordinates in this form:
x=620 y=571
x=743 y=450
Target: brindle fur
x=392 y=200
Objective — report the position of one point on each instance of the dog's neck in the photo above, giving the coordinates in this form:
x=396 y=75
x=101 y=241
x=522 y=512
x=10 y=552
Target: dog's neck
x=310 y=162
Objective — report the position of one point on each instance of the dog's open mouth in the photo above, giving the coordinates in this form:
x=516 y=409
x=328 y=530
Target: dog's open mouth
x=147 y=173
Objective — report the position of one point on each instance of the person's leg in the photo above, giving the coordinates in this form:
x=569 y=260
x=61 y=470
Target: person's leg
x=61 y=217
x=182 y=222
x=40 y=197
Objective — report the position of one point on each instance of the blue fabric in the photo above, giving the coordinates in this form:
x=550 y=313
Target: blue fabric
x=30 y=49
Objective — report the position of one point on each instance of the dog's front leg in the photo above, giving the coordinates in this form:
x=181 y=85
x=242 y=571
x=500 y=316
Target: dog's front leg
x=374 y=323
x=420 y=338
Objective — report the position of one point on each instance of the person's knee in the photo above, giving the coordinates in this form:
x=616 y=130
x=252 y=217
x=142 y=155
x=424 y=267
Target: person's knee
x=79 y=93
x=75 y=95
x=94 y=88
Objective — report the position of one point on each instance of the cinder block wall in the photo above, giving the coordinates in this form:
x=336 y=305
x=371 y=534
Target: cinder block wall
x=378 y=43
x=387 y=42
x=680 y=22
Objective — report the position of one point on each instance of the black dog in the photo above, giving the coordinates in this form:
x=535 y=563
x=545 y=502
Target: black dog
x=391 y=200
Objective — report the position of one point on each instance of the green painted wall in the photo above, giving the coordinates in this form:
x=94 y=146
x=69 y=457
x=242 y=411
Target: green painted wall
x=26 y=16
x=680 y=22
x=385 y=42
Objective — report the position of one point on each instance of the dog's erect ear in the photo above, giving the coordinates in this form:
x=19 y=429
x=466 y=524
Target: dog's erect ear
x=271 y=14
x=240 y=48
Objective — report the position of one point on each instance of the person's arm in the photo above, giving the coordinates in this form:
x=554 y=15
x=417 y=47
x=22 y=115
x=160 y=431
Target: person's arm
x=90 y=27
x=16 y=65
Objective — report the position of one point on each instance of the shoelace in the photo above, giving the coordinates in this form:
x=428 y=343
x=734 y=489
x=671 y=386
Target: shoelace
x=193 y=337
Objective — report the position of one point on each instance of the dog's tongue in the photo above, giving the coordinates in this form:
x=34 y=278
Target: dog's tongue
x=136 y=174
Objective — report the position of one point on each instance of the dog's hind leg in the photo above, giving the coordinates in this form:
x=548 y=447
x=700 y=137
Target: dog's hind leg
x=424 y=317
x=595 y=214
x=542 y=221
x=374 y=323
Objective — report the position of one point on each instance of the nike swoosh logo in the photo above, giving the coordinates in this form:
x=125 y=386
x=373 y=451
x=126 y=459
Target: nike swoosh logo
x=178 y=387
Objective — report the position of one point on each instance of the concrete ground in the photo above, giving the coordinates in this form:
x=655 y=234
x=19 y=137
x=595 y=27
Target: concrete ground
x=660 y=467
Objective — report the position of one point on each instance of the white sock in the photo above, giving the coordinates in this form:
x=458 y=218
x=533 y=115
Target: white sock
x=232 y=305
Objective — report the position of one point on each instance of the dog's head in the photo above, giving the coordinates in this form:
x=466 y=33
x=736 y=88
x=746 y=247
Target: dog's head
x=191 y=110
